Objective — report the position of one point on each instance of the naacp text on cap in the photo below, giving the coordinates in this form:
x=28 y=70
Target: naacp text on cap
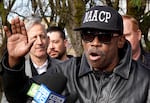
x=95 y=15
x=102 y=18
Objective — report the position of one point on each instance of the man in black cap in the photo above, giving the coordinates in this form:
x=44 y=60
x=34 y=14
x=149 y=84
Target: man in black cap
x=105 y=73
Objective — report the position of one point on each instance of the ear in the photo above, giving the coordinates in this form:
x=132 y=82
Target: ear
x=66 y=42
x=121 y=41
x=139 y=34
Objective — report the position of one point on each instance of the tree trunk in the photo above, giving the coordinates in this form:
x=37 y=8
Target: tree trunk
x=77 y=9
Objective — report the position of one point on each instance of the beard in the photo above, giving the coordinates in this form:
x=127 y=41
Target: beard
x=96 y=58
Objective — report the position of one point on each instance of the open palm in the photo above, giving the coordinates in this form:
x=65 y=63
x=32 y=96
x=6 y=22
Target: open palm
x=17 y=43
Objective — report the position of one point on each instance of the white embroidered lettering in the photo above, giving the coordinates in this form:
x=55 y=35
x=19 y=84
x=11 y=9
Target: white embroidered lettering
x=101 y=16
x=95 y=15
x=86 y=17
x=94 y=18
x=108 y=16
x=90 y=16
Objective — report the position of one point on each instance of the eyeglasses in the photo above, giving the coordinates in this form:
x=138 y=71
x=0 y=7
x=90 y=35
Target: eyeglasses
x=104 y=37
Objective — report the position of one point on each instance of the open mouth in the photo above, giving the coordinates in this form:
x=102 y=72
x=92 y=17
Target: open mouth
x=94 y=56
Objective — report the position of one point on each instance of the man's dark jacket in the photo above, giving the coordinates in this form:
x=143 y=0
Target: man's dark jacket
x=128 y=83
x=27 y=61
x=144 y=58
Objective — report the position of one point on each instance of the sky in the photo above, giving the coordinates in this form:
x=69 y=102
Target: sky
x=23 y=7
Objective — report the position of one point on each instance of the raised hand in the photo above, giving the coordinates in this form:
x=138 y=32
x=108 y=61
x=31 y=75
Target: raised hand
x=17 y=43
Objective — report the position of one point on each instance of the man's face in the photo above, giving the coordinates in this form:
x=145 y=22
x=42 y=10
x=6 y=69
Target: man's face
x=133 y=36
x=102 y=51
x=40 y=45
x=57 y=45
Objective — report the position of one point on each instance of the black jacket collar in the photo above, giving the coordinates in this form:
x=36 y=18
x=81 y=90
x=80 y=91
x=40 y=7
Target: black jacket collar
x=122 y=69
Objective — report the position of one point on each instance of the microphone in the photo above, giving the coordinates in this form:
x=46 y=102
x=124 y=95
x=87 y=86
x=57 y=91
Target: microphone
x=49 y=90
x=55 y=82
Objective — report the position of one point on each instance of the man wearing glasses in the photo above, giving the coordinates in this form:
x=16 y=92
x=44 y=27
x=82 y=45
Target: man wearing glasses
x=105 y=73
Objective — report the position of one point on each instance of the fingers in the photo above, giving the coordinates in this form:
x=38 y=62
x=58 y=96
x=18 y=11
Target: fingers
x=7 y=31
x=16 y=25
x=29 y=45
x=23 y=29
x=13 y=27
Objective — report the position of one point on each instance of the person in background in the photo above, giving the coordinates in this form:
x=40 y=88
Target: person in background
x=105 y=73
x=133 y=34
x=57 y=47
x=38 y=58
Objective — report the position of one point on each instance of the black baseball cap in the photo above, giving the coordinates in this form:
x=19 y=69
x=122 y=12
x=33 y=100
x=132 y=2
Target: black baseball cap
x=103 y=18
